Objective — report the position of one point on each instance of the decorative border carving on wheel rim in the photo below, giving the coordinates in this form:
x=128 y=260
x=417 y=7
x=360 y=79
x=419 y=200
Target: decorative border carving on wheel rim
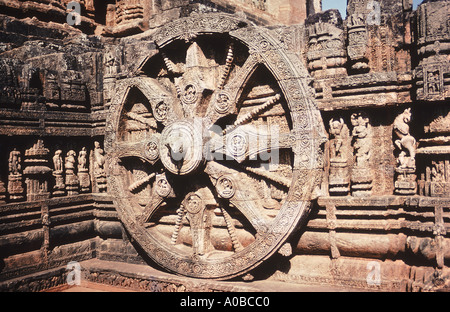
x=307 y=136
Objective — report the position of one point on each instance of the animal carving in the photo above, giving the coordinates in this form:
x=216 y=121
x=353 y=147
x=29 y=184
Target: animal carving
x=405 y=139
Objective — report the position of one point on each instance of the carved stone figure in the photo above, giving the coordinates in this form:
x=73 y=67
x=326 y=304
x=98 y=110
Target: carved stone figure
x=438 y=179
x=98 y=161
x=72 y=182
x=405 y=141
x=58 y=161
x=361 y=175
x=14 y=162
x=83 y=171
x=339 y=177
x=406 y=144
x=58 y=170
x=362 y=139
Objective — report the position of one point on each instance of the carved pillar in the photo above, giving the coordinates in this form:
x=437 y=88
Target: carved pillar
x=358 y=42
x=129 y=11
x=326 y=54
x=361 y=173
x=433 y=46
x=405 y=177
x=73 y=90
x=32 y=89
x=433 y=88
x=37 y=172
x=339 y=178
x=51 y=90
x=2 y=193
x=15 y=186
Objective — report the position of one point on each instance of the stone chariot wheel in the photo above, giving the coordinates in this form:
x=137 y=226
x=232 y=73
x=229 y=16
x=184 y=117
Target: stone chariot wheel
x=214 y=148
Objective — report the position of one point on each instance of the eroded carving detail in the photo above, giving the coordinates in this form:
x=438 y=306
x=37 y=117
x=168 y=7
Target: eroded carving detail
x=406 y=161
x=15 y=186
x=361 y=174
x=340 y=150
x=211 y=180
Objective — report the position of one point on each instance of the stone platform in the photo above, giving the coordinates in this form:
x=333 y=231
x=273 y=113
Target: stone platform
x=108 y=276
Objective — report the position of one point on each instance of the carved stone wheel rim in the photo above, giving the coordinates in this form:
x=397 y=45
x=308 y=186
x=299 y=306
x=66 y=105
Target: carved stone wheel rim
x=227 y=184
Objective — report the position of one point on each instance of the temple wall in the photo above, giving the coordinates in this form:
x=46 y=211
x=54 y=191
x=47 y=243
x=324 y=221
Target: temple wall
x=380 y=79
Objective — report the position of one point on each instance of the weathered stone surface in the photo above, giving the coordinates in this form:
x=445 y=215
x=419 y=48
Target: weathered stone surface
x=225 y=138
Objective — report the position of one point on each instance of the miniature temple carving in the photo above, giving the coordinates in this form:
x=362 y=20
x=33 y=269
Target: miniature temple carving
x=358 y=42
x=433 y=36
x=15 y=186
x=326 y=49
x=37 y=171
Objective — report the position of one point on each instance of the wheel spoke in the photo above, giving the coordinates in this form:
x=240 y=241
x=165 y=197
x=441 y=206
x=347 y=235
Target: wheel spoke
x=161 y=190
x=165 y=109
x=249 y=142
x=224 y=99
x=150 y=209
x=169 y=124
x=237 y=246
x=236 y=188
x=140 y=183
x=147 y=149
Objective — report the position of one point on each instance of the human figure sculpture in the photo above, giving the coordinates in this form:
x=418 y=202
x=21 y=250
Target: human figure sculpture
x=59 y=187
x=82 y=160
x=99 y=159
x=336 y=130
x=58 y=161
x=83 y=171
x=70 y=161
x=99 y=170
x=361 y=134
x=339 y=178
x=72 y=182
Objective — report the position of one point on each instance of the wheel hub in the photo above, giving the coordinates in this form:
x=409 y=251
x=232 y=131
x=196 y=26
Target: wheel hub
x=181 y=148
